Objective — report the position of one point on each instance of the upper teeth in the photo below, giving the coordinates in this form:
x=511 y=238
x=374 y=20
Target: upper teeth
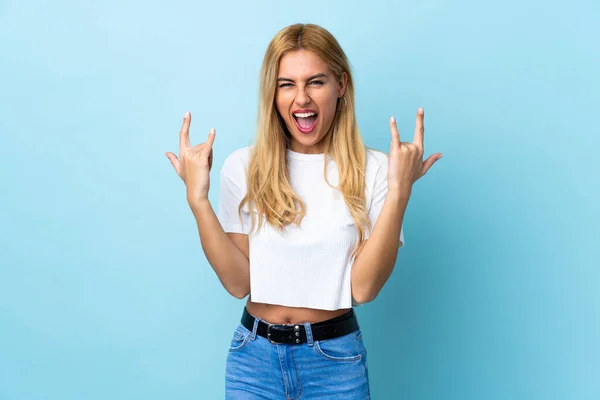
x=305 y=115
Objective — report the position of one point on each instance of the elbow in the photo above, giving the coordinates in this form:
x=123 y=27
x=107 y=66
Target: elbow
x=239 y=293
x=238 y=288
x=364 y=296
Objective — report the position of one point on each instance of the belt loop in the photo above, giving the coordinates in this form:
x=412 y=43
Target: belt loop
x=309 y=336
x=254 y=328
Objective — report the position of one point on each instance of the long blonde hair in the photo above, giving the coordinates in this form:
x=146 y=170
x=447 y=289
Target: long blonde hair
x=269 y=188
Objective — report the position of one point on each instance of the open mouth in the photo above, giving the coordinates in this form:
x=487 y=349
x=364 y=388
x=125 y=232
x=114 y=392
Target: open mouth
x=306 y=122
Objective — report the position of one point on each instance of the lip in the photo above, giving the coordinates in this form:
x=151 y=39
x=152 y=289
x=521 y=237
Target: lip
x=305 y=110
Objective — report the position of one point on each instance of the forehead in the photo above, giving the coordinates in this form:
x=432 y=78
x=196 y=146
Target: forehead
x=301 y=64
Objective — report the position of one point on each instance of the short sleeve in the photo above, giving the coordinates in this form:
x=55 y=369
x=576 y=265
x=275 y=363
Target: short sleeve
x=378 y=193
x=232 y=190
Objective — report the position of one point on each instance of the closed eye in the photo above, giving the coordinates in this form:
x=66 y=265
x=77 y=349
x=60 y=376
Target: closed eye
x=313 y=83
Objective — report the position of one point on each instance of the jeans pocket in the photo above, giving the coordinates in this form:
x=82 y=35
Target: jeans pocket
x=241 y=336
x=344 y=348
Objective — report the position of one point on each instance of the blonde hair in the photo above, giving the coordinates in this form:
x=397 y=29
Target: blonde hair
x=269 y=188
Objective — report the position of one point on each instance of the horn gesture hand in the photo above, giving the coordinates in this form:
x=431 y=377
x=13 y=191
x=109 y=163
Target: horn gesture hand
x=406 y=164
x=194 y=163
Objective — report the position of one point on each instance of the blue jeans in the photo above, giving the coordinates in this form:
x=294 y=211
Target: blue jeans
x=328 y=369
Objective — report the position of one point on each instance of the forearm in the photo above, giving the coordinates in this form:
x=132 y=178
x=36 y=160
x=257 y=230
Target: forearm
x=375 y=262
x=229 y=263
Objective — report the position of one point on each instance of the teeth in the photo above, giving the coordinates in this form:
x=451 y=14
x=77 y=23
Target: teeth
x=305 y=115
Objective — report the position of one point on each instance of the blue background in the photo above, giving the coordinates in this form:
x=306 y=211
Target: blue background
x=104 y=290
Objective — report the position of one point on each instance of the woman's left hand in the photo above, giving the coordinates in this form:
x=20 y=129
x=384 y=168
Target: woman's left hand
x=406 y=164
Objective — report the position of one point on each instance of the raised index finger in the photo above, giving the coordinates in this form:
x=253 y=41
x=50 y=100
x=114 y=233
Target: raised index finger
x=184 y=133
x=419 y=129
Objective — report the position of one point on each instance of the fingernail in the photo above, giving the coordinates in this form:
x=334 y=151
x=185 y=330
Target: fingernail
x=420 y=111
x=440 y=156
x=212 y=131
x=187 y=114
x=392 y=120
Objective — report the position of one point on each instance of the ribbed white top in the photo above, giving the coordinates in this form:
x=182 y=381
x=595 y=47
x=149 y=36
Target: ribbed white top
x=307 y=265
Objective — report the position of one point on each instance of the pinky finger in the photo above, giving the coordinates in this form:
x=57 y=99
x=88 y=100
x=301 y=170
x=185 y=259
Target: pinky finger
x=211 y=138
x=394 y=131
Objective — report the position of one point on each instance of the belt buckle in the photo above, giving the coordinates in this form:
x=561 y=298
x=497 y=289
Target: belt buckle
x=294 y=337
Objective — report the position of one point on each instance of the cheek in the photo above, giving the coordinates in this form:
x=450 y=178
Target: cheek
x=278 y=104
x=328 y=106
x=282 y=102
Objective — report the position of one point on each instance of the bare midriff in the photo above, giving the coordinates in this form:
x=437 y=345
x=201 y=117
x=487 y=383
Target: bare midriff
x=276 y=314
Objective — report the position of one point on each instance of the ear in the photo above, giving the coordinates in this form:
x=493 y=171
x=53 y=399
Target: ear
x=342 y=84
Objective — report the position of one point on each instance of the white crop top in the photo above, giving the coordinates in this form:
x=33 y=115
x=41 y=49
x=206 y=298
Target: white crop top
x=307 y=265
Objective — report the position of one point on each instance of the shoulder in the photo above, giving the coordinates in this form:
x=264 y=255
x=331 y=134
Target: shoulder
x=375 y=160
x=237 y=161
x=376 y=168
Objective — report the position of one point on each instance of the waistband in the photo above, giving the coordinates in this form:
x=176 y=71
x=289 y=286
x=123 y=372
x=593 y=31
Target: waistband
x=298 y=333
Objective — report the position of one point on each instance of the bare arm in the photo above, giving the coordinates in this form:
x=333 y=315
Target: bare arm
x=375 y=262
x=226 y=253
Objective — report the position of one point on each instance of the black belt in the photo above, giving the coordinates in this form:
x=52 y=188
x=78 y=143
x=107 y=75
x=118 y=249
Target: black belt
x=296 y=334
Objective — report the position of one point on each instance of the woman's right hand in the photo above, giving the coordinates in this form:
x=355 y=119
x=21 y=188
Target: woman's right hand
x=194 y=164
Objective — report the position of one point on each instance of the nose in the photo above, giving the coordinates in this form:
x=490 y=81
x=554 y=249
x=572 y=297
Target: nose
x=302 y=97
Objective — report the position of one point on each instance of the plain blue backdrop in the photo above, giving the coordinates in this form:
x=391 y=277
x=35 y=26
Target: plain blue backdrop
x=104 y=290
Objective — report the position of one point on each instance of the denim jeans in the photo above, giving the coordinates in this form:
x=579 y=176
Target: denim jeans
x=328 y=369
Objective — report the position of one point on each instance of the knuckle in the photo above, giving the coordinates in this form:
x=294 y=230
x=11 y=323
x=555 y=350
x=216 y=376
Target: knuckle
x=190 y=154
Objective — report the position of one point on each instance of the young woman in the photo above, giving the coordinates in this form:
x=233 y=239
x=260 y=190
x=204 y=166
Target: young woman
x=309 y=223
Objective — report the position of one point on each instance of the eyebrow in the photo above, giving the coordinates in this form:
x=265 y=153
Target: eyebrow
x=321 y=75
